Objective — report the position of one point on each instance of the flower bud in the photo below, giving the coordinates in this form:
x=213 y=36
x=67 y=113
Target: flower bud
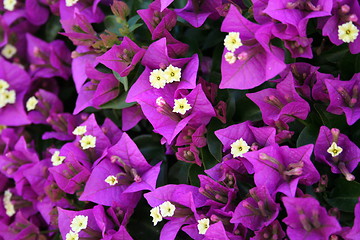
x=120 y=9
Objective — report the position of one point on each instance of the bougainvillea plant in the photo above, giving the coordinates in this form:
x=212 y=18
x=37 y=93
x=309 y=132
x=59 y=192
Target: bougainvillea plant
x=179 y=119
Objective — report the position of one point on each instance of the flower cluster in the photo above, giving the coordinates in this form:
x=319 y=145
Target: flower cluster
x=171 y=119
x=159 y=78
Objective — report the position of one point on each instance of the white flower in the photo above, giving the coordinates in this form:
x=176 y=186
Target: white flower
x=31 y=103
x=181 y=106
x=56 y=159
x=4 y=85
x=72 y=236
x=203 y=225
x=70 y=3
x=111 y=180
x=239 y=147
x=155 y=214
x=8 y=51
x=167 y=209
x=334 y=149
x=7 y=97
x=348 y=32
x=88 y=141
x=230 y=57
x=79 y=223
x=9 y=207
x=172 y=74
x=9 y=4
x=232 y=41
x=10 y=96
x=157 y=78
x=79 y=130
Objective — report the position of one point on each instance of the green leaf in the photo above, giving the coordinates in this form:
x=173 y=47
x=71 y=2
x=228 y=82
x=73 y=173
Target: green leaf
x=140 y=225
x=151 y=148
x=112 y=23
x=214 y=144
x=247 y=3
x=307 y=136
x=207 y=159
x=345 y=195
x=123 y=80
x=57 y=236
x=330 y=120
x=118 y=103
x=247 y=110
x=133 y=20
x=194 y=38
x=240 y=108
x=357 y=62
x=179 y=3
x=213 y=38
x=320 y=109
x=133 y=27
x=114 y=115
x=179 y=173
x=347 y=66
x=334 y=54
x=194 y=172
x=102 y=68
x=52 y=28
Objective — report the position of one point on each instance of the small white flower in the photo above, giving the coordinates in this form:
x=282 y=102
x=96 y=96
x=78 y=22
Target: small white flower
x=4 y=85
x=203 y=225
x=31 y=103
x=111 y=180
x=155 y=214
x=10 y=96
x=72 y=236
x=88 y=141
x=348 y=32
x=7 y=97
x=2 y=101
x=79 y=130
x=79 y=223
x=230 y=57
x=172 y=74
x=70 y=3
x=334 y=149
x=9 y=4
x=8 y=51
x=239 y=147
x=157 y=78
x=9 y=207
x=232 y=41
x=181 y=106
x=167 y=209
x=56 y=159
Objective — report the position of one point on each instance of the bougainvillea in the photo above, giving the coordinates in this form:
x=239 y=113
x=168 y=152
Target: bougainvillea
x=180 y=119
